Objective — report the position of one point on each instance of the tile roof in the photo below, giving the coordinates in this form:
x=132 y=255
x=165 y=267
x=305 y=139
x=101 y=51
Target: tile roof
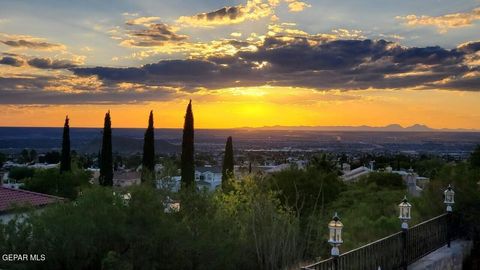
x=9 y=198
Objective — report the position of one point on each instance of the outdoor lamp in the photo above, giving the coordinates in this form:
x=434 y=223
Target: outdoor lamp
x=449 y=198
x=335 y=226
x=404 y=207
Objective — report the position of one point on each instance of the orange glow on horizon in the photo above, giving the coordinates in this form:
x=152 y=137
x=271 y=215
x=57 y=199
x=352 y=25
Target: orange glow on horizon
x=270 y=106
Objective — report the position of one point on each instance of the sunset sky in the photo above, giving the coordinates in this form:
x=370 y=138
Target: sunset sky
x=243 y=63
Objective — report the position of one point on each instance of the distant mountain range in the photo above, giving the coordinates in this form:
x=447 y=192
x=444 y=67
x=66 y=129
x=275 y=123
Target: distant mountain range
x=389 y=128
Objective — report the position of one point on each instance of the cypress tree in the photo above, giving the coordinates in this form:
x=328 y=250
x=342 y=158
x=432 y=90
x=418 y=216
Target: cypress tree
x=66 y=161
x=106 y=165
x=148 y=160
x=227 y=169
x=187 y=159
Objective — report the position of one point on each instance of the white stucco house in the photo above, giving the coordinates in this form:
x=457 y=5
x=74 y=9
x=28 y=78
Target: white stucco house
x=208 y=177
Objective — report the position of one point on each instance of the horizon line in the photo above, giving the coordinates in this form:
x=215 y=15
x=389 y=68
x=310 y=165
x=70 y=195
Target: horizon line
x=282 y=127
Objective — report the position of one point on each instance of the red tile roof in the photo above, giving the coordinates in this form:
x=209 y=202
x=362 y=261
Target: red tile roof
x=10 y=198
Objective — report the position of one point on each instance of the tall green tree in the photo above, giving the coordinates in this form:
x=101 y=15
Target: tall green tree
x=228 y=163
x=66 y=161
x=25 y=156
x=33 y=155
x=3 y=158
x=187 y=159
x=106 y=161
x=475 y=158
x=148 y=160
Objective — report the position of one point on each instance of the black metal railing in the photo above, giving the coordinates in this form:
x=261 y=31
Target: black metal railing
x=393 y=251
x=426 y=237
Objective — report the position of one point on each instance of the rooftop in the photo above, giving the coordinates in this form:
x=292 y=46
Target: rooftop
x=10 y=198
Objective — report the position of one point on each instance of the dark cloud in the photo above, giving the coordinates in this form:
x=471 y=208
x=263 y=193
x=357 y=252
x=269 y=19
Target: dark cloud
x=251 y=10
x=11 y=61
x=32 y=44
x=34 y=90
x=157 y=34
x=337 y=64
x=25 y=82
x=47 y=63
x=231 y=13
x=470 y=47
x=466 y=84
x=18 y=60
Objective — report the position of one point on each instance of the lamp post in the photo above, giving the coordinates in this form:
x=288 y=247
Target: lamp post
x=449 y=200
x=335 y=238
x=404 y=216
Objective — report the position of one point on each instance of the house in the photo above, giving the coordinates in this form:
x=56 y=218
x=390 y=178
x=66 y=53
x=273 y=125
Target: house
x=5 y=181
x=208 y=177
x=355 y=174
x=11 y=184
x=11 y=198
x=415 y=183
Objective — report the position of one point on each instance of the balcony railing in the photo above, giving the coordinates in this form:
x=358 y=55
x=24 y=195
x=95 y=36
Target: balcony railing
x=393 y=251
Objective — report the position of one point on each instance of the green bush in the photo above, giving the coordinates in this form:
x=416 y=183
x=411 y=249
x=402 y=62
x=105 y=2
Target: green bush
x=20 y=173
x=51 y=181
x=384 y=180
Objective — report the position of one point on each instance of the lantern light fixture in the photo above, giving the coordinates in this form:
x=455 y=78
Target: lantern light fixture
x=335 y=238
x=449 y=195
x=405 y=215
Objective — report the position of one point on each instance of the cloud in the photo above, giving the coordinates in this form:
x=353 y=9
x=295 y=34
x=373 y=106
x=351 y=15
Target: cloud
x=321 y=64
x=131 y=14
x=253 y=10
x=288 y=32
x=43 y=90
x=57 y=97
x=18 y=60
x=348 y=34
x=21 y=41
x=148 y=32
x=297 y=6
x=11 y=61
x=284 y=57
x=47 y=63
x=146 y=21
x=445 y=22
